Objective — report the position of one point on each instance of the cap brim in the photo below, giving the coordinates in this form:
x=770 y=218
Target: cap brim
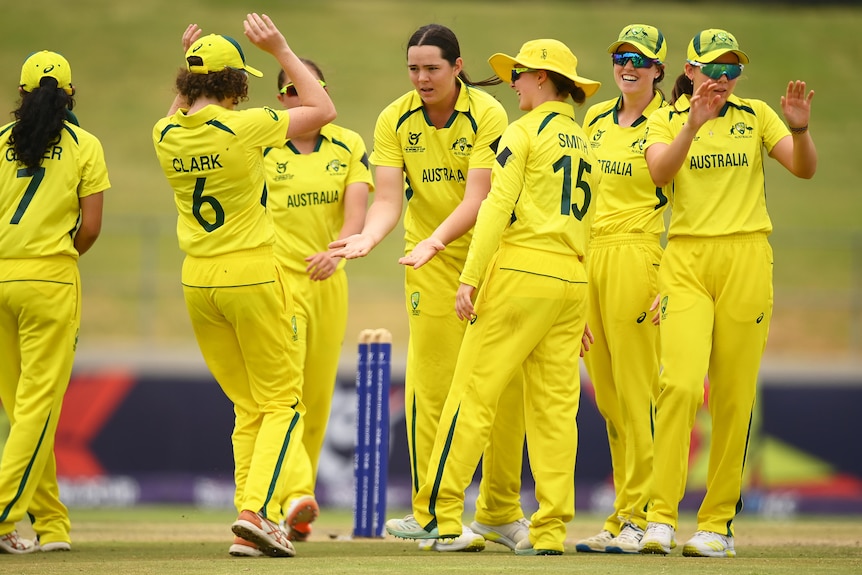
x=502 y=65
x=644 y=50
x=711 y=56
x=253 y=71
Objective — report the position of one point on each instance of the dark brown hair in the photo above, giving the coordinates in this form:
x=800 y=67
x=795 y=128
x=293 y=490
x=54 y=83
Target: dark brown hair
x=682 y=85
x=282 y=76
x=445 y=39
x=40 y=117
x=225 y=84
x=567 y=87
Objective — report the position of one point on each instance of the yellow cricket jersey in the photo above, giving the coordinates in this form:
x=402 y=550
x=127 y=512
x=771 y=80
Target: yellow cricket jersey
x=436 y=162
x=628 y=201
x=39 y=210
x=720 y=189
x=213 y=160
x=306 y=192
x=541 y=197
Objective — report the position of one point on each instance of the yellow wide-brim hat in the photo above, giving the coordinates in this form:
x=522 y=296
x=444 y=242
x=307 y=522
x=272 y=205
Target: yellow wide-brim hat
x=543 y=54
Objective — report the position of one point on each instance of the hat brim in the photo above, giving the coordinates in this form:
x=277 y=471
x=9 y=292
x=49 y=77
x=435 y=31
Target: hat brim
x=643 y=49
x=253 y=71
x=502 y=64
x=711 y=56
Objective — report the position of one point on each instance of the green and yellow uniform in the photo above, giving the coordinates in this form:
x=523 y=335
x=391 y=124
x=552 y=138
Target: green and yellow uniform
x=240 y=308
x=40 y=313
x=436 y=163
x=623 y=360
x=306 y=198
x=528 y=250
x=716 y=287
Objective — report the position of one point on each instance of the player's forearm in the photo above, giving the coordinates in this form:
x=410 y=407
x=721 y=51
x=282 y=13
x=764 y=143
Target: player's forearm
x=804 y=156
x=459 y=222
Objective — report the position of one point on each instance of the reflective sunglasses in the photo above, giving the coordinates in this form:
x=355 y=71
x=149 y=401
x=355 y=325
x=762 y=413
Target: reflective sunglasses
x=716 y=71
x=290 y=90
x=516 y=73
x=637 y=60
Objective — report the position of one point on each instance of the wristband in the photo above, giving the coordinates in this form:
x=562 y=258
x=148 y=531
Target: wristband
x=799 y=130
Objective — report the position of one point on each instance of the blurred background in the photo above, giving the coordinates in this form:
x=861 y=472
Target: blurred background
x=138 y=374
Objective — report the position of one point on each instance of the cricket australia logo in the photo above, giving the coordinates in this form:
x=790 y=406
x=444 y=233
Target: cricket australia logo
x=636 y=33
x=720 y=40
x=638 y=145
x=462 y=147
x=413 y=143
x=335 y=166
x=741 y=130
x=414 y=303
x=295 y=330
x=664 y=308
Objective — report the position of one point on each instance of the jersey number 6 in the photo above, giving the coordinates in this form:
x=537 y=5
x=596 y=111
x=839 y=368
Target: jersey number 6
x=198 y=199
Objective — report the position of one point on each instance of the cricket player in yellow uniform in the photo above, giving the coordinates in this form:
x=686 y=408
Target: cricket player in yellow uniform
x=623 y=361
x=317 y=187
x=435 y=147
x=240 y=308
x=716 y=277
x=528 y=249
x=52 y=176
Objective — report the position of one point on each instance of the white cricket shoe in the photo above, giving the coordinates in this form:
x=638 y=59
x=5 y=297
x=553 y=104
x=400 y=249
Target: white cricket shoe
x=596 y=544
x=628 y=541
x=508 y=534
x=467 y=541
x=16 y=545
x=709 y=544
x=658 y=539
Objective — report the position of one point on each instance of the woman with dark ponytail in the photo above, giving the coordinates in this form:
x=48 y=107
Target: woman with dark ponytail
x=52 y=176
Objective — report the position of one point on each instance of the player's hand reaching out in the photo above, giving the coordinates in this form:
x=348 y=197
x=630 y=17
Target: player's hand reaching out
x=422 y=253
x=795 y=105
x=705 y=104
x=355 y=246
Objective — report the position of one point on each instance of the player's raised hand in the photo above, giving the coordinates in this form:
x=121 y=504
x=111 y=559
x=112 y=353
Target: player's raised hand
x=190 y=36
x=705 y=104
x=796 y=105
x=261 y=31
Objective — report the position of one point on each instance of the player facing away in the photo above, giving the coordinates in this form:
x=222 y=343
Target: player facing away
x=623 y=361
x=52 y=179
x=435 y=146
x=240 y=308
x=317 y=191
x=716 y=277
x=528 y=251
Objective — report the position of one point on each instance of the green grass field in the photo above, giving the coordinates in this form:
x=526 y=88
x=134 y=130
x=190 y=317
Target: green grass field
x=185 y=541
x=125 y=55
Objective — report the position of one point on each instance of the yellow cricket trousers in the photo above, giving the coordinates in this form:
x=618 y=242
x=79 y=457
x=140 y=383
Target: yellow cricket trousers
x=623 y=363
x=321 y=320
x=524 y=321
x=435 y=340
x=246 y=334
x=715 y=311
x=39 y=321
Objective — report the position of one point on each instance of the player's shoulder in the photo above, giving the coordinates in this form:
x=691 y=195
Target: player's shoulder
x=344 y=137
x=599 y=110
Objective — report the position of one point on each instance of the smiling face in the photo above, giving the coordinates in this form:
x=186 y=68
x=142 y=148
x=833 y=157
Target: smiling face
x=433 y=76
x=526 y=86
x=722 y=87
x=632 y=80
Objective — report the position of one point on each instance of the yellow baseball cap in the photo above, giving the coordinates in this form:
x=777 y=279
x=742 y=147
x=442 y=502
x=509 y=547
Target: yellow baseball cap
x=648 y=39
x=45 y=63
x=217 y=52
x=544 y=55
x=708 y=45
